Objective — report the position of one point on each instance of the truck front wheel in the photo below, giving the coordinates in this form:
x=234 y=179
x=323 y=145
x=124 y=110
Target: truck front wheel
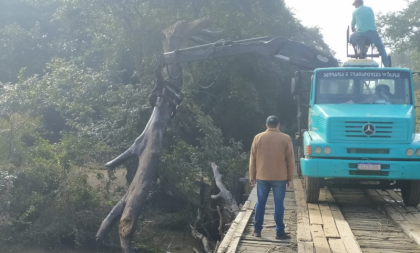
x=410 y=191
x=312 y=187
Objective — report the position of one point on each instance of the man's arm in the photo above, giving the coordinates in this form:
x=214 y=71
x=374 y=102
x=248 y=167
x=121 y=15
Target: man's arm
x=253 y=162
x=353 y=22
x=290 y=159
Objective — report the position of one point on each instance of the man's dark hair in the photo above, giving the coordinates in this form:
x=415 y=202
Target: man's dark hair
x=272 y=121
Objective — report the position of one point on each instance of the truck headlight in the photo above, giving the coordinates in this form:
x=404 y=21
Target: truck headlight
x=418 y=152
x=327 y=150
x=318 y=150
x=409 y=152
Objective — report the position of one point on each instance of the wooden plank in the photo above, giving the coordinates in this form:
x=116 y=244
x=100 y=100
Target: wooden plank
x=410 y=209
x=382 y=193
x=330 y=229
x=309 y=247
x=412 y=230
x=314 y=214
x=342 y=225
x=259 y=241
x=224 y=245
x=320 y=241
x=397 y=211
x=301 y=247
x=303 y=226
x=337 y=246
x=231 y=240
x=238 y=232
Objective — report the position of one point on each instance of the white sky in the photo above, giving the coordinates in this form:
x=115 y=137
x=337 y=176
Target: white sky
x=333 y=17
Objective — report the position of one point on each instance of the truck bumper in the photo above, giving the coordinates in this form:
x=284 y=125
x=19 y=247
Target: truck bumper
x=392 y=170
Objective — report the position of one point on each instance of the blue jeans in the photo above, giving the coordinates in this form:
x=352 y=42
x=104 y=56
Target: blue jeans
x=372 y=37
x=279 y=192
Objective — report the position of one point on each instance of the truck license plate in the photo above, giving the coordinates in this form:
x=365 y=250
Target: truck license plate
x=369 y=166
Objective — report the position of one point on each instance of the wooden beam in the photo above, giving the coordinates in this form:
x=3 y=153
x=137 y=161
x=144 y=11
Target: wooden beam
x=337 y=246
x=320 y=241
x=231 y=241
x=411 y=209
x=343 y=227
x=329 y=226
x=305 y=247
x=314 y=214
x=412 y=230
x=303 y=226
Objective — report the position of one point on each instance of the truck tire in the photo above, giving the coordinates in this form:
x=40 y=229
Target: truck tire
x=410 y=192
x=312 y=187
x=298 y=168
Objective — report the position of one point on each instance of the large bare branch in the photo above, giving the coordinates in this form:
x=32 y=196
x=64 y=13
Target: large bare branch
x=231 y=206
x=204 y=240
x=148 y=145
x=110 y=220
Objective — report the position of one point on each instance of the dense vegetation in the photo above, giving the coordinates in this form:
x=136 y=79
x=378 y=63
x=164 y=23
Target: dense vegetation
x=401 y=32
x=75 y=79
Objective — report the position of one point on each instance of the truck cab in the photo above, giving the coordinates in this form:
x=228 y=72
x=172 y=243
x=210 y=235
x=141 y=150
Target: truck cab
x=361 y=127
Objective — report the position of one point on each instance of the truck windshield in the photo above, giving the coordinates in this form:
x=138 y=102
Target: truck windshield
x=363 y=87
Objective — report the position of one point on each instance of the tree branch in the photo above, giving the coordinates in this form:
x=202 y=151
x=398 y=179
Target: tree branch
x=203 y=239
x=148 y=145
x=232 y=207
x=110 y=220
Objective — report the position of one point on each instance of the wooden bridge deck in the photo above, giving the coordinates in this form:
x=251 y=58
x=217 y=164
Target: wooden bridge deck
x=347 y=221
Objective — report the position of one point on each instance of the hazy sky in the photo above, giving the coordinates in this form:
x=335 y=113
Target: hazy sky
x=333 y=17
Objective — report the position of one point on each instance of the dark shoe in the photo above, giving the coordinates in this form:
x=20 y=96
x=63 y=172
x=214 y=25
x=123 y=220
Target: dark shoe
x=284 y=236
x=257 y=234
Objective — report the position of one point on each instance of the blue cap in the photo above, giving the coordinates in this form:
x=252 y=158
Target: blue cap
x=273 y=121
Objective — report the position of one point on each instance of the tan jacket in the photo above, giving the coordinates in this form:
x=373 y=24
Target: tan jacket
x=272 y=156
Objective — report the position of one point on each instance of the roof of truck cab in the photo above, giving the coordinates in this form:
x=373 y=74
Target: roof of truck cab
x=362 y=68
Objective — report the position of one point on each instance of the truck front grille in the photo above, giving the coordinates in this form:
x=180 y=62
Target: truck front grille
x=385 y=130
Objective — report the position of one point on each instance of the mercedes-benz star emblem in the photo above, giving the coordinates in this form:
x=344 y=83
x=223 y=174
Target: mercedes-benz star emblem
x=369 y=129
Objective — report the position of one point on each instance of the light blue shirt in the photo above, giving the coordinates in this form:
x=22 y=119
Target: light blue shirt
x=364 y=19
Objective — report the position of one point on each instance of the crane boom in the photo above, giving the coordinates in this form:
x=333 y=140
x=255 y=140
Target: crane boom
x=295 y=53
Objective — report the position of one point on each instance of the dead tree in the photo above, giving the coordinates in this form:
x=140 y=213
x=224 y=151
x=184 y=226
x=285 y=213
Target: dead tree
x=231 y=209
x=165 y=98
x=148 y=146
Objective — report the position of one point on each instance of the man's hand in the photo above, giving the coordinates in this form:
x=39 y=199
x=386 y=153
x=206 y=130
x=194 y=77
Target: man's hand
x=288 y=184
x=353 y=29
x=253 y=182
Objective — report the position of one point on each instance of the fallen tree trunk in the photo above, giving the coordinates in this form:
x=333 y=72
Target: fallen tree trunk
x=231 y=206
x=202 y=238
x=230 y=210
x=148 y=145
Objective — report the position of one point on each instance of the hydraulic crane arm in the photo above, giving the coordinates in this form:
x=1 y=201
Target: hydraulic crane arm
x=295 y=53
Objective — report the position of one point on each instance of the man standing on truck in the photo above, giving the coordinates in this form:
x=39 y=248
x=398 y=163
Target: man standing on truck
x=271 y=165
x=364 y=20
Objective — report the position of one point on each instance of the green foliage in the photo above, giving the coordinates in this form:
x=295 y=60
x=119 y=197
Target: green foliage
x=401 y=31
x=76 y=78
x=50 y=205
x=401 y=28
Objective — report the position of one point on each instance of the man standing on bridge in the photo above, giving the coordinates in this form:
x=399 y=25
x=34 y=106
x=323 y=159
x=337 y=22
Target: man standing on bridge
x=271 y=165
x=364 y=20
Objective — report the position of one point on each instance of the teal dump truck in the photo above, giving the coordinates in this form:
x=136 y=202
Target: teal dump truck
x=360 y=130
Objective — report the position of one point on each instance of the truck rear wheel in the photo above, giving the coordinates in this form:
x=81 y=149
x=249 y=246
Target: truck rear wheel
x=410 y=192
x=298 y=168
x=312 y=187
